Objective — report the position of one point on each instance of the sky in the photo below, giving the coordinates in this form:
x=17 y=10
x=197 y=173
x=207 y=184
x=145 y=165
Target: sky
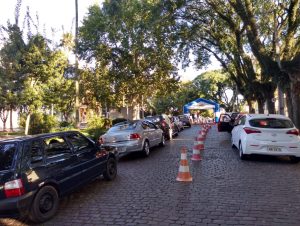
x=61 y=13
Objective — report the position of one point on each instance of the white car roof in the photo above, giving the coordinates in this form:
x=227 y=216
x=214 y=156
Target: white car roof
x=267 y=116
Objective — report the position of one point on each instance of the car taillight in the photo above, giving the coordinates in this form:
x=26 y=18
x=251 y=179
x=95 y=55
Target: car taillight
x=14 y=188
x=251 y=130
x=135 y=136
x=293 y=132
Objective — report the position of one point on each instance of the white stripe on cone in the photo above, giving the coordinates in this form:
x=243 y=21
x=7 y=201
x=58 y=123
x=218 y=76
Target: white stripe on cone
x=184 y=169
x=195 y=151
x=183 y=156
x=198 y=142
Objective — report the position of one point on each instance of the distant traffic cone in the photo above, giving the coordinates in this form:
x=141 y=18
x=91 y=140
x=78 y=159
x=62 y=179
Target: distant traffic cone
x=196 y=154
x=203 y=133
x=199 y=143
x=184 y=170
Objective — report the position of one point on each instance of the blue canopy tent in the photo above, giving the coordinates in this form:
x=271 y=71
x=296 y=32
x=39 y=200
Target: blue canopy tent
x=200 y=104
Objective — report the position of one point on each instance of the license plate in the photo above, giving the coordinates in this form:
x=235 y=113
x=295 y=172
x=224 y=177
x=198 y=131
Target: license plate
x=274 y=149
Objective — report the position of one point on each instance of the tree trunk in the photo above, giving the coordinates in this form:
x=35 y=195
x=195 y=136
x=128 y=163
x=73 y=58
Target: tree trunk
x=295 y=86
x=27 y=123
x=271 y=102
x=52 y=109
x=289 y=102
x=4 y=126
x=250 y=104
x=11 y=120
x=281 y=103
x=261 y=104
x=4 y=116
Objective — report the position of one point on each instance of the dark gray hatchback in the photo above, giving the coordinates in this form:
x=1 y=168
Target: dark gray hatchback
x=35 y=171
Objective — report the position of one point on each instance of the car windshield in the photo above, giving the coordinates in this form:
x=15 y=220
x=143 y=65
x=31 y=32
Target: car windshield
x=128 y=126
x=273 y=123
x=7 y=152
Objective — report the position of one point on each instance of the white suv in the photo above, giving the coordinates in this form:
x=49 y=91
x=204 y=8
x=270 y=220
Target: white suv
x=267 y=135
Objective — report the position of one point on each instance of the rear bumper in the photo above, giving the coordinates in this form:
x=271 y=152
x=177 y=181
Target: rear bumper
x=276 y=149
x=16 y=207
x=126 y=147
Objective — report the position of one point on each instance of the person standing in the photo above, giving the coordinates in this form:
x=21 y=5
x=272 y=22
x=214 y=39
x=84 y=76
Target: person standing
x=168 y=121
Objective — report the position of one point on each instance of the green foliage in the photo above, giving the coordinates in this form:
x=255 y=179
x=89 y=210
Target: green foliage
x=207 y=113
x=97 y=126
x=212 y=85
x=132 y=44
x=39 y=123
x=66 y=124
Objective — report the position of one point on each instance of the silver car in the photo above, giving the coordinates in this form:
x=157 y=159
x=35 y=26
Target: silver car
x=133 y=136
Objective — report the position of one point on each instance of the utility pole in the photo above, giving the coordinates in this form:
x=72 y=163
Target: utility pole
x=76 y=68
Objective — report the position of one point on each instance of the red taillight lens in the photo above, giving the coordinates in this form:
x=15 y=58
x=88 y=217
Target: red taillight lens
x=251 y=130
x=135 y=136
x=293 y=132
x=14 y=188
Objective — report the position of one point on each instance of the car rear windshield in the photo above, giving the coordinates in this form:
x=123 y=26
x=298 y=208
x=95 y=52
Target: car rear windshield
x=273 y=123
x=7 y=152
x=128 y=126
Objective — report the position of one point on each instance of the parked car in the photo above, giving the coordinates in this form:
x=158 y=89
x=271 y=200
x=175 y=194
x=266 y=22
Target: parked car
x=185 y=120
x=163 y=122
x=226 y=122
x=133 y=136
x=35 y=171
x=177 y=122
x=267 y=135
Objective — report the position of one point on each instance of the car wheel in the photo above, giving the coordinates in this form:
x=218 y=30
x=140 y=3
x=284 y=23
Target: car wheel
x=232 y=144
x=146 y=149
x=163 y=141
x=241 y=153
x=45 y=204
x=294 y=159
x=111 y=169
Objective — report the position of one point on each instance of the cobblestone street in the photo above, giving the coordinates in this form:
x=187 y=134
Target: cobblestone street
x=224 y=191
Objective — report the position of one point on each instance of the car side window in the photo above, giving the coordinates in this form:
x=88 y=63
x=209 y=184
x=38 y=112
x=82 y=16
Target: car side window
x=32 y=154
x=145 y=125
x=79 y=142
x=151 y=125
x=56 y=146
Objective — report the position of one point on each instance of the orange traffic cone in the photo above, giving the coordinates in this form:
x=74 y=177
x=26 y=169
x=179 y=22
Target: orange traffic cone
x=203 y=133
x=199 y=143
x=196 y=153
x=184 y=170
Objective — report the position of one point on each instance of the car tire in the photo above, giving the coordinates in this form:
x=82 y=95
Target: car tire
x=146 y=149
x=241 y=153
x=111 y=170
x=163 y=141
x=44 y=205
x=232 y=144
x=294 y=159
